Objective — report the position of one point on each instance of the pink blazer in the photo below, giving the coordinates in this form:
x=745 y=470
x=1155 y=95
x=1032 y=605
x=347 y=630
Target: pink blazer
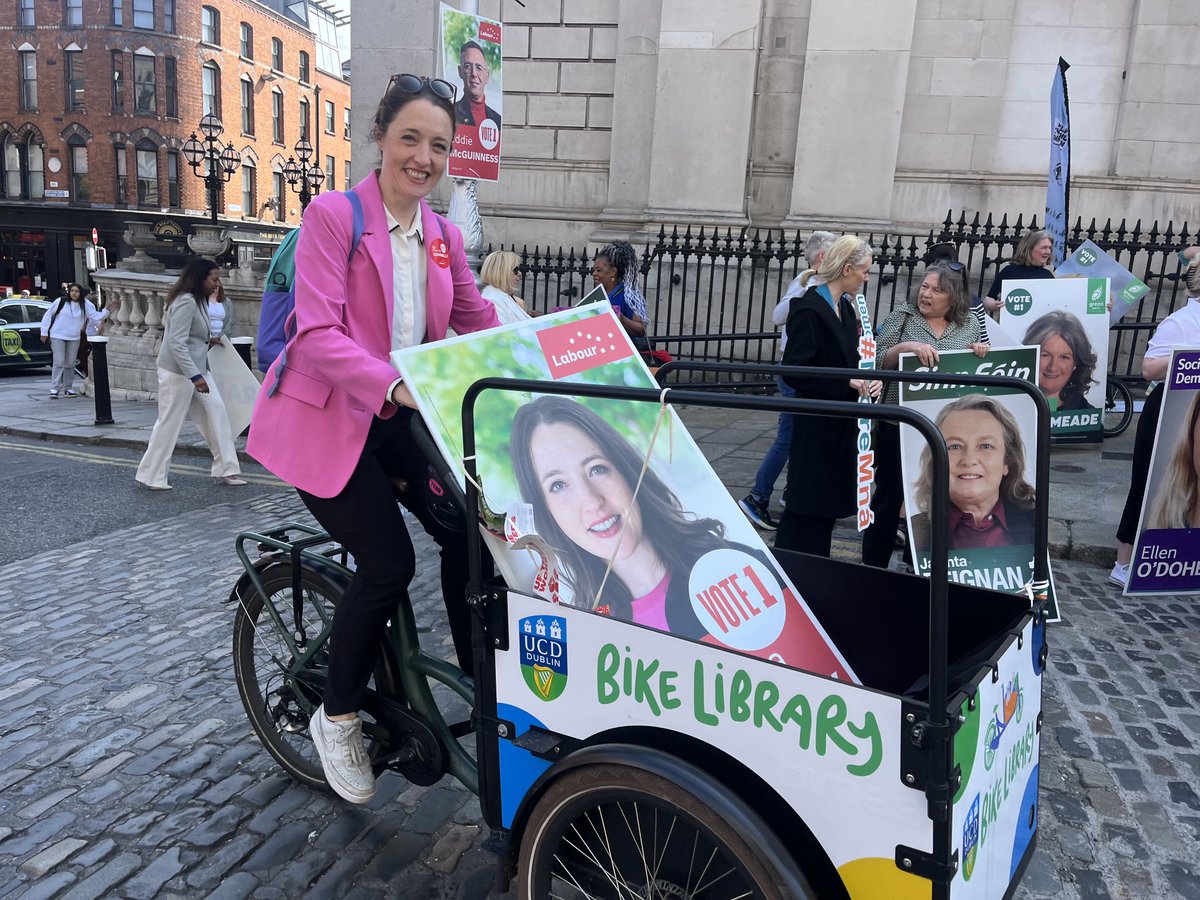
x=311 y=433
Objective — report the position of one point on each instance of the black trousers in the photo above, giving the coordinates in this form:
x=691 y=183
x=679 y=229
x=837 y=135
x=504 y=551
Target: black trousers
x=805 y=534
x=367 y=521
x=1143 y=449
x=880 y=537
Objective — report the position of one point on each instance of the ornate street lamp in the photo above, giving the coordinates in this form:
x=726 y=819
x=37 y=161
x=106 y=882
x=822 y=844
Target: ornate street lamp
x=305 y=179
x=218 y=162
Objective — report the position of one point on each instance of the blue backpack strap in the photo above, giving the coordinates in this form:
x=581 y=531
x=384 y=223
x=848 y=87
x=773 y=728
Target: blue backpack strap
x=289 y=326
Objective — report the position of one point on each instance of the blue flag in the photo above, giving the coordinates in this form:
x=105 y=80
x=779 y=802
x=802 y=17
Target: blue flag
x=1058 y=182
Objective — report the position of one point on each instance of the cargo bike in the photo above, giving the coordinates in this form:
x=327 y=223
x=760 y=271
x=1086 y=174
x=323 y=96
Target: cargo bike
x=613 y=760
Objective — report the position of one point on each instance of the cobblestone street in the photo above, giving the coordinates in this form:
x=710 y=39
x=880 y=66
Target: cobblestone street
x=129 y=769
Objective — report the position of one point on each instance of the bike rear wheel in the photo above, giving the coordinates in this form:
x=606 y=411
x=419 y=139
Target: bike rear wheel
x=1118 y=407
x=613 y=832
x=279 y=701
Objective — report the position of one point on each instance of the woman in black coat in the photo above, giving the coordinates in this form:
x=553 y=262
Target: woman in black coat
x=823 y=330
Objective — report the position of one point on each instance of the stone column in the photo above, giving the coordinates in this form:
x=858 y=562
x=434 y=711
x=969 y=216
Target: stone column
x=855 y=77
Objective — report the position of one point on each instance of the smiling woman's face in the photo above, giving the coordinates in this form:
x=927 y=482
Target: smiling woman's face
x=583 y=490
x=415 y=148
x=975 y=441
x=1057 y=365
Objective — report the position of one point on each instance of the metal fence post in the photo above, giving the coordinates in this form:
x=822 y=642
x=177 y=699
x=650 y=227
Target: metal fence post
x=99 y=345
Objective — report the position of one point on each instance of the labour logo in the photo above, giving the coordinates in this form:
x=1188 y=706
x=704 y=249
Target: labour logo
x=970 y=845
x=579 y=346
x=544 y=655
x=1012 y=704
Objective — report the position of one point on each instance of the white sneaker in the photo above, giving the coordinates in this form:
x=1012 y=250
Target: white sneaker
x=343 y=756
x=1119 y=575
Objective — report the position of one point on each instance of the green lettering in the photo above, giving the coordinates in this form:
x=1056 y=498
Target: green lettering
x=702 y=715
x=831 y=714
x=739 y=696
x=668 y=687
x=799 y=711
x=869 y=730
x=607 y=664
x=766 y=695
x=642 y=692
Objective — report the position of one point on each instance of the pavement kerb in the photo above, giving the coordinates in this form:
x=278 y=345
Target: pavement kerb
x=182 y=448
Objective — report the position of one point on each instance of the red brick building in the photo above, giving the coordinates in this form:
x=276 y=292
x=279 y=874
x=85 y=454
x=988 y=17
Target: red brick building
x=99 y=98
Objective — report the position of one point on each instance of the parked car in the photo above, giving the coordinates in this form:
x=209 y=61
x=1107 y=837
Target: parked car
x=21 y=332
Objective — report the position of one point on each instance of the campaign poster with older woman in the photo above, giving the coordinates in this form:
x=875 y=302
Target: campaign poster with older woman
x=608 y=505
x=1068 y=319
x=1166 y=556
x=991 y=437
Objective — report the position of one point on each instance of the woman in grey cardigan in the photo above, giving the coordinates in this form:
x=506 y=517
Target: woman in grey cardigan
x=185 y=386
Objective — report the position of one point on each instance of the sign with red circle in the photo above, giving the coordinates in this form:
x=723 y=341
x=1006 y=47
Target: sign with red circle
x=440 y=253
x=95 y=237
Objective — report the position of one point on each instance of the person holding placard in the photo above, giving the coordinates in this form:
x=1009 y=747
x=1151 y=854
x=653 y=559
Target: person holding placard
x=1030 y=260
x=1178 y=331
x=937 y=320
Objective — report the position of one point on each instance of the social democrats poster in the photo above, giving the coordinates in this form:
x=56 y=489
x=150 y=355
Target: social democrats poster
x=1166 y=555
x=609 y=505
x=1068 y=319
x=991 y=436
x=471 y=61
x=1089 y=261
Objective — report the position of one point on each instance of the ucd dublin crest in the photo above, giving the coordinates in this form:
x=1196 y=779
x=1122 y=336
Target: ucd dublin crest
x=544 y=655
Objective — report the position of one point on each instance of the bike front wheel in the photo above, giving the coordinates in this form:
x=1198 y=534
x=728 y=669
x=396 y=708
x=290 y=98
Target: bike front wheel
x=612 y=832
x=1118 y=407
x=279 y=700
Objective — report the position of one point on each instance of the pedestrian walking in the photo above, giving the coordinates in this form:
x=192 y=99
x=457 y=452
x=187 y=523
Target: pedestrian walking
x=822 y=330
x=757 y=504
x=1178 y=331
x=335 y=419
x=64 y=325
x=185 y=385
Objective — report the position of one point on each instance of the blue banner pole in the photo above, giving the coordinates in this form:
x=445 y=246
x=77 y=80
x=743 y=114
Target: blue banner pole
x=1058 y=182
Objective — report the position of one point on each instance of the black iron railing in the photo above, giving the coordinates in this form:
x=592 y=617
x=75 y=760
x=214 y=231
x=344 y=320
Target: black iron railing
x=710 y=292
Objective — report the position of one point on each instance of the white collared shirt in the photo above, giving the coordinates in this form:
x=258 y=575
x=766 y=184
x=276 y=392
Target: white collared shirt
x=408 y=281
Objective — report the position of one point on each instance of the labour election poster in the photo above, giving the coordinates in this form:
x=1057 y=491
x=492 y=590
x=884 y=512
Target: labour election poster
x=991 y=436
x=1166 y=555
x=1068 y=319
x=1089 y=261
x=608 y=505
x=471 y=60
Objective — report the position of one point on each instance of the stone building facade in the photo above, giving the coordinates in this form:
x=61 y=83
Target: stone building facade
x=868 y=114
x=97 y=100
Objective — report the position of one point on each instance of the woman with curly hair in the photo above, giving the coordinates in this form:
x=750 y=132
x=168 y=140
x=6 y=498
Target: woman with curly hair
x=615 y=270
x=1067 y=360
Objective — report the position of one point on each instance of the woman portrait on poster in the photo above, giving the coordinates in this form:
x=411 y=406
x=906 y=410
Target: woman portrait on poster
x=991 y=503
x=1177 y=503
x=579 y=474
x=1067 y=360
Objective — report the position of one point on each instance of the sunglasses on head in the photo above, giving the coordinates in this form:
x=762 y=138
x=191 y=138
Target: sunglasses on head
x=408 y=83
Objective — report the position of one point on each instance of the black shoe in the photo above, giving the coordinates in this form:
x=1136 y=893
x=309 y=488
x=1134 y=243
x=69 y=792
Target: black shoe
x=757 y=512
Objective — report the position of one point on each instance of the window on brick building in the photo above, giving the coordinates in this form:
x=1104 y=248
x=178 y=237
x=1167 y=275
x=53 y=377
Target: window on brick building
x=24 y=164
x=73 y=76
x=277 y=54
x=346 y=185
x=77 y=147
x=304 y=124
x=173 y=198
x=26 y=14
x=147 y=174
x=143 y=14
x=28 y=59
x=249 y=189
x=122 y=171
x=73 y=13
x=246 y=48
x=330 y=169
x=210 y=25
x=118 y=12
x=118 y=81
x=145 y=87
x=171 y=87
x=247 y=105
x=304 y=70
x=277 y=116
x=280 y=197
x=169 y=16
x=330 y=116
x=346 y=122
x=210 y=89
